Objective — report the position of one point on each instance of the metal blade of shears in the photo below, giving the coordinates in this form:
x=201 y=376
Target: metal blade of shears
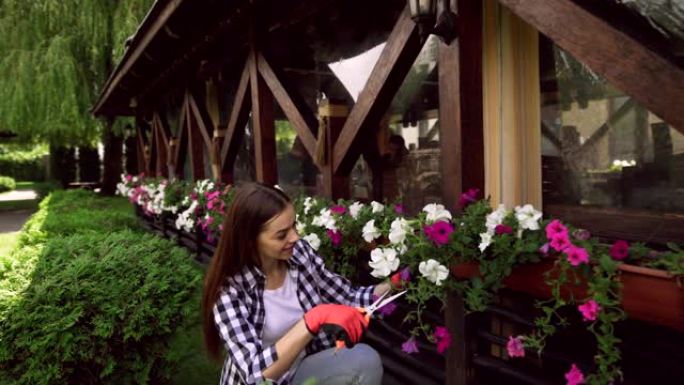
x=380 y=302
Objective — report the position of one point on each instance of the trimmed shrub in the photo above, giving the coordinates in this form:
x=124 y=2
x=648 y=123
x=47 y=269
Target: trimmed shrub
x=7 y=184
x=94 y=308
x=23 y=163
x=69 y=212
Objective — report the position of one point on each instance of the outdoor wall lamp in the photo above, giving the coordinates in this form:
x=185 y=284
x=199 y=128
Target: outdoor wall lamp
x=424 y=13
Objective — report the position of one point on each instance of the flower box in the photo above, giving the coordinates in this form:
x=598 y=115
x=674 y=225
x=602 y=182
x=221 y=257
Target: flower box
x=647 y=294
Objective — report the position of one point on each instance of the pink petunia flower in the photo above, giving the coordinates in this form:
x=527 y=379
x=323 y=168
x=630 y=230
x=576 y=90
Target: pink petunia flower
x=410 y=346
x=619 y=250
x=576 y=255
x=335 y=237
x=554 y=228
x=574 y=376
x=439 y=232
x=560 y=242
x=128 y=177
x=338 y=209
x=468 y=197
x=212 y=195
x=503 y=229
x=442 y=338
x=515 y=347
x=545 y=248
x=590 y=310
x=399 y=209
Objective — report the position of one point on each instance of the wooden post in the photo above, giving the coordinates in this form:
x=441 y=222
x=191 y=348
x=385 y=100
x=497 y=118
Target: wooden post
x=462 y=145
x=263 y=123
x=333 y=116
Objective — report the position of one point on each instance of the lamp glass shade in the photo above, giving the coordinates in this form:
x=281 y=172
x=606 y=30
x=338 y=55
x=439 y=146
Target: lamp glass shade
x=422 y=8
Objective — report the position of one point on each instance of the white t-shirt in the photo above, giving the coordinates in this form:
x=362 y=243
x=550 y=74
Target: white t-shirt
x=282 y=310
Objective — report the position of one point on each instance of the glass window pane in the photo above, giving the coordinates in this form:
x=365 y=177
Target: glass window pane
x=602 y=148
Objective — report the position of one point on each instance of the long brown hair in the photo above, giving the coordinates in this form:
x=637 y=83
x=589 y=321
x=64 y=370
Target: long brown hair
x=253 y=205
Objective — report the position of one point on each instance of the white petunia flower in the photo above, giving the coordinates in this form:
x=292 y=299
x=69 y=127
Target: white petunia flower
x=528 y=217
x=370 y=232
x=325 y=219
x=383 y=262
x=436 y=212
x=398 y=230
x=354 y=209
x=485 y=241
x=313 y=240
x=377 y=207
x=495 y=218
x=433 y=271
x=308 y=202
x=300 y=227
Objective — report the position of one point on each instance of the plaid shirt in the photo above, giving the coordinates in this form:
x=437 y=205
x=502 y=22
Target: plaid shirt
x=239 y=314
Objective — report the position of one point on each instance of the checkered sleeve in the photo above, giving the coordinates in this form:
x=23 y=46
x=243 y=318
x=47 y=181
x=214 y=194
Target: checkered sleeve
x=245 y=352
x=335 y=288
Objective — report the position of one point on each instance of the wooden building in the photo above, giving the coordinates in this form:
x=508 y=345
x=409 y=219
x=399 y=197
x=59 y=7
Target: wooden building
x=573 y=106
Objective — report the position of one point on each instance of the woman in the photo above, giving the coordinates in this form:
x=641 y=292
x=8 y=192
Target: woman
x=267 y=297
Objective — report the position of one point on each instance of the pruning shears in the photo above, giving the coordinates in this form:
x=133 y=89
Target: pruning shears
x=369 y=310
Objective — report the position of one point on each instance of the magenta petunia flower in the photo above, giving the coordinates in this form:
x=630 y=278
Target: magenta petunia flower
x=335 y=237
x=338 y=209
x=212 y=195
x=554 y=228
x=439 y=232
x=399 y=209
x=574 y=376
x=442 y=338
x=410 y=346
x=619 y=250
x=576 y=255
x=468 y=197
x=590 y=310
x=503 y=229
x=560 y=242
x=515 y=347
x=128 y=177
x=399 y=279
x=405 y=274
x=387 y=309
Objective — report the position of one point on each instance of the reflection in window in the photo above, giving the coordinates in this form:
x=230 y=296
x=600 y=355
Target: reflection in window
x=409 y=136
x=296 y=172
x=244 y=169
x=600 y=147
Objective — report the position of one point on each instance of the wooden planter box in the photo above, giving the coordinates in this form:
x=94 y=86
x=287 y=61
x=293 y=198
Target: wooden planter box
x=647 y=294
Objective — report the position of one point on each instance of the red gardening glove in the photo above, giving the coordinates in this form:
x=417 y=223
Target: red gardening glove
x=344 y=322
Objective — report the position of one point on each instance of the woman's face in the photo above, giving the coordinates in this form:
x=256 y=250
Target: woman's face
x=278 y=237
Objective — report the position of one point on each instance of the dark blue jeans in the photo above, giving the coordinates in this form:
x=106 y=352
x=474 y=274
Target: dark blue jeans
x=360 y=365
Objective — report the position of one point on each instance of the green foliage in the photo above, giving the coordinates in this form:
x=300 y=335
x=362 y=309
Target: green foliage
x=55 y=55
x=66 y=212
x=95 y=304
x=7 y=184
x=97 y=308
x=23 y=162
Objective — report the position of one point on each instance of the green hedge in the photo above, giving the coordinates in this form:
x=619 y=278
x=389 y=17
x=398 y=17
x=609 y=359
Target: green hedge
x=7 y=184
x=95 y=304
x=23 y=163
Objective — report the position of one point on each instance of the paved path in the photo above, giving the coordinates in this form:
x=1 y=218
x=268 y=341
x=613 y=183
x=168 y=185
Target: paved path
x=13 y=220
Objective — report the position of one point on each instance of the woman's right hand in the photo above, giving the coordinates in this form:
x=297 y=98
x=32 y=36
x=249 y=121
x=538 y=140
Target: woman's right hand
x=341 y=321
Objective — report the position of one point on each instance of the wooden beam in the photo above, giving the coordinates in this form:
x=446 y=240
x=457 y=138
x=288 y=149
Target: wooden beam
x=182 y=147
x=396 y=59
x=158 y=21
x=203 y=122
x=299 y=115
x=239 y=116
x=632 y=67
x=195 y=145
x=263 y=123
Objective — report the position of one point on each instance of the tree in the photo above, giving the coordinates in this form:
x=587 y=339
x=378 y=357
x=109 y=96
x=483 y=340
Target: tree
x=54 y=57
